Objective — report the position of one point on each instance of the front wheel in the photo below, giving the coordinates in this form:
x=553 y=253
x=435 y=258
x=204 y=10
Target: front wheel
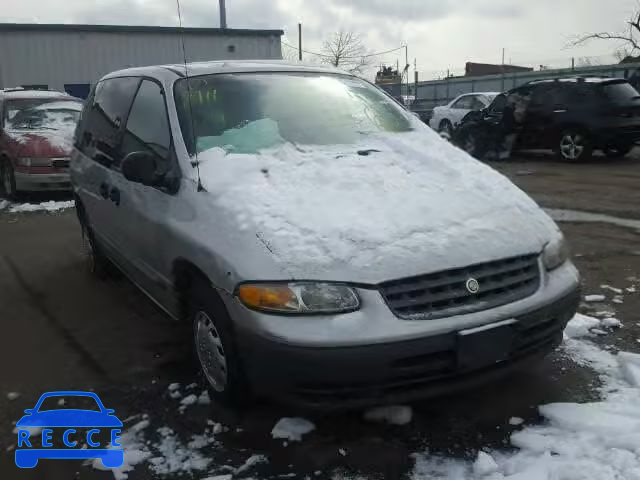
x=216 y=348
x=445 y=129
x=574 y=145
x=7 y=179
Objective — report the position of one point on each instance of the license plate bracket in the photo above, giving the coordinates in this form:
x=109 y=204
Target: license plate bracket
x=485 y=346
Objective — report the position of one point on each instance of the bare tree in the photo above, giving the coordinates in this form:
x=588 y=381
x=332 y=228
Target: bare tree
x=346 y=50
x=630 y=45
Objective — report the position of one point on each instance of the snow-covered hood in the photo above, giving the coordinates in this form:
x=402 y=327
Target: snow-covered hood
x=415 y=205
x=42 y=143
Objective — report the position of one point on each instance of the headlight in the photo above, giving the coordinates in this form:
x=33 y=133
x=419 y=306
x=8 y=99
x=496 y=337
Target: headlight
x=555 y=253
x=33 y=162
x=299 y=298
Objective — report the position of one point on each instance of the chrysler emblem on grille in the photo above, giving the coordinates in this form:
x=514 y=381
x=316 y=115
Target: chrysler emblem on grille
x=472 y=285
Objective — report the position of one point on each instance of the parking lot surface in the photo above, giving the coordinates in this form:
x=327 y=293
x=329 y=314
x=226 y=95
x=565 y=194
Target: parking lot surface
x=65 y=329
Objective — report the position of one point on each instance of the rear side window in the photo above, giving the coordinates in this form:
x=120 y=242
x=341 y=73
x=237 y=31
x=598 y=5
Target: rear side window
x=108 y=109
x=148 y=125
x=620 y=92
x=463 y=103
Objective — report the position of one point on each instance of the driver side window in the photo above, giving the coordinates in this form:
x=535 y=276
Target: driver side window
x=147 y=128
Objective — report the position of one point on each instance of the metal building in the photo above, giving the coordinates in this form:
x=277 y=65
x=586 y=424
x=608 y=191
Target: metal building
x=73 y=57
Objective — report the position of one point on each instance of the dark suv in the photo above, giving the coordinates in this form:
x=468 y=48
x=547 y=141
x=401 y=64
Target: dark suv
x=571 y=116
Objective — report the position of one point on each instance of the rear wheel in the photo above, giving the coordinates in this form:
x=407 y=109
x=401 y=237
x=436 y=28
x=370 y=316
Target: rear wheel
x=215 y=346
x=617 y=151
x=574 y=145
x=7 y=179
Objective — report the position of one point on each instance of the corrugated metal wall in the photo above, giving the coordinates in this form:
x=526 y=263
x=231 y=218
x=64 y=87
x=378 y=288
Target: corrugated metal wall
x=58 y=58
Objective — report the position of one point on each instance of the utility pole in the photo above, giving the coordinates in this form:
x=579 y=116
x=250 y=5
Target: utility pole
x=300 y=41
x=406 y=67
x=223 y=14
x=415 y=79
x=503 y=69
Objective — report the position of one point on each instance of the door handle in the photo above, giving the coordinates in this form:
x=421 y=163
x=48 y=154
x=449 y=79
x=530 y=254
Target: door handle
x=104 y=190
x=114 y=195
x=559 y=111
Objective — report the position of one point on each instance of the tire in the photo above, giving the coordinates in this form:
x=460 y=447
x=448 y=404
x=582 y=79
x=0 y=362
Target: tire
x=216 y=347
x=445 y=129
x=97 y=262
x=574 y=145
x=617 y=151
x=469 y=141
x=7 y=180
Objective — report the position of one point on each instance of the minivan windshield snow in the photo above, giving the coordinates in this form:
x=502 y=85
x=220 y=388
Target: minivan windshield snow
x=244 y=113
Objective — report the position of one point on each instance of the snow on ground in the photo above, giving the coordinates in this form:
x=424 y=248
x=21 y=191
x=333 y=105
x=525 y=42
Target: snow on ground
x=591 y=441
x=599 y=440
x=292 y=428
x=50 y=206
x=393 y=414
x=594 y=298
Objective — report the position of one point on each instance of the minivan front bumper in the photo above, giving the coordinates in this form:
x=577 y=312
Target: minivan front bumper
x=327 y=377
x=351 y=377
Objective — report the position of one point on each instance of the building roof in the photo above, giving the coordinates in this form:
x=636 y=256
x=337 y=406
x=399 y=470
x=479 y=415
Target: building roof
x=72 y=27
x=479 y=69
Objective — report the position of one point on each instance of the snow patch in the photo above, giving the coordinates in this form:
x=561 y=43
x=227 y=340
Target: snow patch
x=580 y=325
x=484 y=465
x=515 y=421
x=292 y=428
x=393 y=415
x=50 y=206
x=611 y=322
x=189 y=399
x=594 y=298
x=250 y=463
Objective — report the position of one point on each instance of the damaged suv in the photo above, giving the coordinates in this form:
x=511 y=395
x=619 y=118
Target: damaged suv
x=328 y=247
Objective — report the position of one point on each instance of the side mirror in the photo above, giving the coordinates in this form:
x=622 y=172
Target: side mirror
x=141 y=167
x=29 y=411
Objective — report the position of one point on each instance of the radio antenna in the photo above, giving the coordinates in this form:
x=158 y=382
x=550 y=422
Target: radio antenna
x=186 y=74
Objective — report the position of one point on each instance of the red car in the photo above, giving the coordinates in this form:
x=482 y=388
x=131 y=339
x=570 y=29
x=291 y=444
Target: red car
x=36 y=139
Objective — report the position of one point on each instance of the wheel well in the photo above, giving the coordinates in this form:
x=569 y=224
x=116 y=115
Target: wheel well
x=185 y=274
x=444 y=121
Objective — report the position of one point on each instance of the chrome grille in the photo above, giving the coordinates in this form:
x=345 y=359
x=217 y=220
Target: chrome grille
x=444 y=294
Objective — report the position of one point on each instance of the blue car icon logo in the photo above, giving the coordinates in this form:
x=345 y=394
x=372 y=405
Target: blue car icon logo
x=31 y=448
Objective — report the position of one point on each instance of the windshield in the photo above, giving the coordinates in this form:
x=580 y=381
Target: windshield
x=244 y=113
x=37 y=114
x=620 y=92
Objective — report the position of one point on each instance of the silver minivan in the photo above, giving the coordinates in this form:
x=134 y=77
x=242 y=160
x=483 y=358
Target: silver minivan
x=329 y=248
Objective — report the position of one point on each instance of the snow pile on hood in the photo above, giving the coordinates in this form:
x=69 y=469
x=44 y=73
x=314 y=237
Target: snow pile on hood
x=50 y=206
x=405 y=194
x=591 y=441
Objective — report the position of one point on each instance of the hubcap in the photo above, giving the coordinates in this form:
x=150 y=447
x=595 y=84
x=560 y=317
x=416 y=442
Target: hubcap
x=210 y=351
x=572 y=146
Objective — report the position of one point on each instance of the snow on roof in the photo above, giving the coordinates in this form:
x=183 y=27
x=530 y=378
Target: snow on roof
x=70 y=104
x=33 y=94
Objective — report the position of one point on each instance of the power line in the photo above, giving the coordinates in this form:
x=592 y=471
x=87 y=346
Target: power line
x=350 y=58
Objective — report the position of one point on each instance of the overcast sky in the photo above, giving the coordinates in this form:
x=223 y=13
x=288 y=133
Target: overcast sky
x=441 y=34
